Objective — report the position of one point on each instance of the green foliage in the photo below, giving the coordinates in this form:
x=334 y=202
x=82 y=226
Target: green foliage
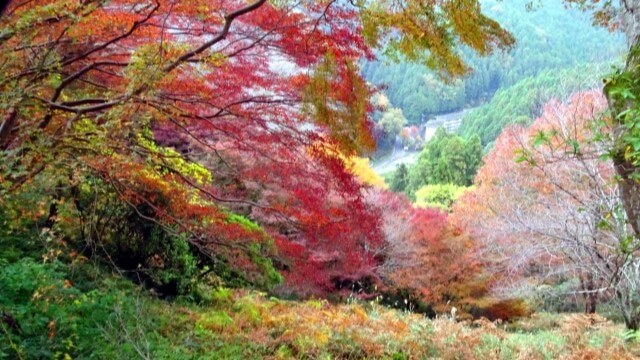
x=217 y=321
x=221 y=296
x=258 y=254
x=446 y=159
x=389 y=123
x=623 y=89
x=243 y=221
x=64 y=312
x=399 y=179
x=439 y=196
x=94 y=223
x=269 y=275
x=392 y=121
x=15 y=242
x=632 y=335
x=172 y=160
x=159 y=258
x=248 y=311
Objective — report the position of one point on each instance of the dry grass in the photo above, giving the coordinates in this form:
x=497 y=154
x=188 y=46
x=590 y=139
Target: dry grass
x=317 y=329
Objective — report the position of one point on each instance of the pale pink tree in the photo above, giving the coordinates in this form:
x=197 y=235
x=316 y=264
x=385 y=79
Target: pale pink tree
x=547 y=205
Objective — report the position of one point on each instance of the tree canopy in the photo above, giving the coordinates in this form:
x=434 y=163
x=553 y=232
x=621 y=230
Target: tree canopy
x=223 y=125
x=445 y=159
x=216 y=154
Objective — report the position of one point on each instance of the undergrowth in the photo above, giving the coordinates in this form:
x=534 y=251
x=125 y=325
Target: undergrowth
x=64 y=307
x=114 y=319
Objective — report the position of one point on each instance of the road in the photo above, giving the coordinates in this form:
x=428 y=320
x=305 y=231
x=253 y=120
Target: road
x=398 y=157
x=401 y=156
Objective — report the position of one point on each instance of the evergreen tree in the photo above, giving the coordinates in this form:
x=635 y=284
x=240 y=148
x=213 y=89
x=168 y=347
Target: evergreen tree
x=400 y=178
x=473 y=157
x=446 y=159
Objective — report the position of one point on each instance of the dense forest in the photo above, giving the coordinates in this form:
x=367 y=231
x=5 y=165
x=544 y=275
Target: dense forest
x=523 y=101
x=193 y=180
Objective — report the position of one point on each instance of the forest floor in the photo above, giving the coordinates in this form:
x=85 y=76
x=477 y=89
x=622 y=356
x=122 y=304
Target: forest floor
x=253 y=326
x=104 y=316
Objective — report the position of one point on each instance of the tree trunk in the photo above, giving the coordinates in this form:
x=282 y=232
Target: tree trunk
x=629 y=187
x=589 y=295
x=592 y=297
x=6 y=127
x=632 y=323
x=625 y=169
x=628 y=308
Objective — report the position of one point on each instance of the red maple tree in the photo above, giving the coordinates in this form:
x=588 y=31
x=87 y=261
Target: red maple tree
x=210 y=113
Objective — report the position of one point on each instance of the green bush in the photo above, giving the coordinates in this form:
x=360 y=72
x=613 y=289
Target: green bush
x=52 y=318
x=439 y=196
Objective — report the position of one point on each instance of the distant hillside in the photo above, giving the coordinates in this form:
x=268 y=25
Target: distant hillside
x=523 y=101
x=548 y=37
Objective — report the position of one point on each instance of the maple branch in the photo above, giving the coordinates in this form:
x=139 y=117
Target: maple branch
x=20 y=180
x=228 y=19
x=5 y=4
x=70 y=79
x=256 y=41
x=132 y=29
x=107 y=104
x=84 y=101
x=207 y=192
x=87 y=109
x=322 y=16
x=114 y=183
